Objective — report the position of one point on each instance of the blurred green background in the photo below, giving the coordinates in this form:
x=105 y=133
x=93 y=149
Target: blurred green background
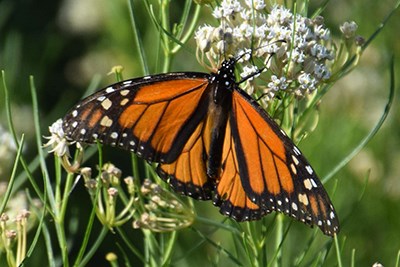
x=65 y=44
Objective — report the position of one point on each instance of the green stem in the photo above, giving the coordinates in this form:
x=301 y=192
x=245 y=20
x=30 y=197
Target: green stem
x=338 y=253
x=167 y=252
x=165 y=38
x=138 y=40
x=278 y=239
x=190 y=30
x=7 y=194
x=94 y=248
x=152 y=257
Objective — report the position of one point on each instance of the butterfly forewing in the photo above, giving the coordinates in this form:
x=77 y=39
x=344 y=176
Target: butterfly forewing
x=230 y=195
x=273 y=172
x=152 y=116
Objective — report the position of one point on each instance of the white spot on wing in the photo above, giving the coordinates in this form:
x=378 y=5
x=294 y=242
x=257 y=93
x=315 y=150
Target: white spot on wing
x=294 y=170
x=303 y=199
x=114 y=135
x=101 y=98
x=124 y=92
x=309 y=169
x=332 y=215
x=106 y=104
x=307 y=184
x=106 y=121
x=295 y=160
x=124 y=101
x=110 y=89
x=296 y=151
x=313 y=182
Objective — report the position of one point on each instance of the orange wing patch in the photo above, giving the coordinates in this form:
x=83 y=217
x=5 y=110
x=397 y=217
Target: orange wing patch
x=166 y=90
x=230 y=195
x=263 y=151
x=159 y=114
x=187 y=175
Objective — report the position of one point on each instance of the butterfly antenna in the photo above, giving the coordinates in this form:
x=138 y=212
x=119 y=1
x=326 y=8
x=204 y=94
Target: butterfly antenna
x=251 y=75
x=227 y=40
x=252 y=51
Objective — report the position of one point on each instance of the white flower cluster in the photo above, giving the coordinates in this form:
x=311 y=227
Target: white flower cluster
x=57 y=140
x=292 y=47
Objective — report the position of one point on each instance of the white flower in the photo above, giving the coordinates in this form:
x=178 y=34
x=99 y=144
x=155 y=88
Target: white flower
x=57 y=140
x=320 y=52
x=227 y=9
x=259 y=32
x=321 y=72
x=277 y=84
x=247 y=30
x=322 y=32
x=257 y=4
x=306 y=81
x=249 y=71
x=297 y=55
x=203 y=36
x=349 y=29
x=279 y=15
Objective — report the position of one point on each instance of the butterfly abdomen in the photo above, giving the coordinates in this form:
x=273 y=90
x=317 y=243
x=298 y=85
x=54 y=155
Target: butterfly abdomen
x=218 y=111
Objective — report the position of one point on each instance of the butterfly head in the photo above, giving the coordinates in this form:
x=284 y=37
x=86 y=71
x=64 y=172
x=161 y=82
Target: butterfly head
x=225 y=75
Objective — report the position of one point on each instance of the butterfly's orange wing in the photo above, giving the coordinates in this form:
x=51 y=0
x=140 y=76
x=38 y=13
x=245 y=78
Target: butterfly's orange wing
x=161 y=118
x=264 y=171
x=187 y=174
x=230 y=194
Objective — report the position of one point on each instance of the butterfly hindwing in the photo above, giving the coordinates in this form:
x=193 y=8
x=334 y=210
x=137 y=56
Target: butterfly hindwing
x=187 y=174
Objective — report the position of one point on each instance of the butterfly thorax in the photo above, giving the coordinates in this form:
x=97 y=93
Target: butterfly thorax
x=222 y=81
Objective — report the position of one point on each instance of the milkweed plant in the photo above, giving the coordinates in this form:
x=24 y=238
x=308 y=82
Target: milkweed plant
x=287 y=60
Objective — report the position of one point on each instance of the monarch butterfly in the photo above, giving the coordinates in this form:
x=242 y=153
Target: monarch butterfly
x=211 y=140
